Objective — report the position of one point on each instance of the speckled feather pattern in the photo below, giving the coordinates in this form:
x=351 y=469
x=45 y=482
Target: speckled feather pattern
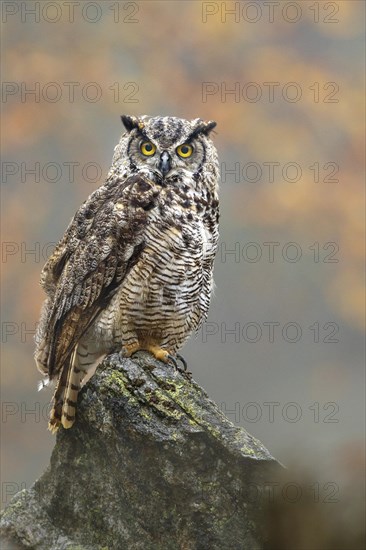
x=136 y=262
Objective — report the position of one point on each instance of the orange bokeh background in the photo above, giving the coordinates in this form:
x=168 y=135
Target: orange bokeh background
x=163 y=61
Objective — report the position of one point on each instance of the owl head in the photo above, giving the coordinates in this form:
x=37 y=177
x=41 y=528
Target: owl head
x=167 y=149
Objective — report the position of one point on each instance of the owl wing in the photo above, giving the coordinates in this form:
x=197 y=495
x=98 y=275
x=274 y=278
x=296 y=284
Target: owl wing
x=103 y=241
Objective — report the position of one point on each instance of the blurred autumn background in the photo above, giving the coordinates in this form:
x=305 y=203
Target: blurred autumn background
x=287 y=91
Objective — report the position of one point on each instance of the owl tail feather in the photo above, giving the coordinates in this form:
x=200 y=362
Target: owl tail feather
x=65 y=396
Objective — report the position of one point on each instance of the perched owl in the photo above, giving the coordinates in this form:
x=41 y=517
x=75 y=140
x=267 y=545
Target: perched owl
x=134 y=269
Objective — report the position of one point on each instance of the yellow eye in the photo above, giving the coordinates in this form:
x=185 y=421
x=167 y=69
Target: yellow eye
x=185 y=150
x=147 y=148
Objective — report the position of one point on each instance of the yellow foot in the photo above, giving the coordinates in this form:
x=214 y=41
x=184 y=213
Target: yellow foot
x=159 y=353
x=130 y=349
x=164 y=355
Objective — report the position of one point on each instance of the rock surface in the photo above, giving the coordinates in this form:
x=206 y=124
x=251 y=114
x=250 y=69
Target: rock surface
x=151 y=463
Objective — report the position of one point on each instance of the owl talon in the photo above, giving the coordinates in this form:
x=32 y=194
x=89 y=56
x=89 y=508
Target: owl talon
x=172 y=360
x=183 y=361
x=183 y=370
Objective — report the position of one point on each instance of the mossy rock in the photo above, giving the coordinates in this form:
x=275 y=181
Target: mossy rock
x=150 y=463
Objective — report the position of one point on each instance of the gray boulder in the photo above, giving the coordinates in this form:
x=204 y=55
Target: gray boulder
x=150 y=463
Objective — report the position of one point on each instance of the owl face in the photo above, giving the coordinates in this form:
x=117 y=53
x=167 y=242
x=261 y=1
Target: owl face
x=167 y=149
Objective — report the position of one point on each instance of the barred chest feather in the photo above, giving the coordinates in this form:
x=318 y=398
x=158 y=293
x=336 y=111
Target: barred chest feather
x=166 y=294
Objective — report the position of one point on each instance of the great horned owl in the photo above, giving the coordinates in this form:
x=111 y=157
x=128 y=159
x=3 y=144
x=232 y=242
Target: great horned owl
x=134 y=269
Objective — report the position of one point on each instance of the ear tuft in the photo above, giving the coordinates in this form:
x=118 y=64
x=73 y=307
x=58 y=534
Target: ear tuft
x=130 y=122
x=203 y=128
x=207 y=127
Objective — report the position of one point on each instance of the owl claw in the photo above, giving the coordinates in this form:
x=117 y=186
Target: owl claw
x=183 y=370
x=183 y=361
x=160 y=354
x=172 y=360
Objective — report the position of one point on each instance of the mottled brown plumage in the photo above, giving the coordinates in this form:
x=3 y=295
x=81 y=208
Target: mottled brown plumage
x=134 y=268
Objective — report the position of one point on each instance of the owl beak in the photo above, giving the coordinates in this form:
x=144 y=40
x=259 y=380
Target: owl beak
x=165 y=163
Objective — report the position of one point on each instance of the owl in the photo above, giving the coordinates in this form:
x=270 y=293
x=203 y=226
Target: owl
x=134 y=270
